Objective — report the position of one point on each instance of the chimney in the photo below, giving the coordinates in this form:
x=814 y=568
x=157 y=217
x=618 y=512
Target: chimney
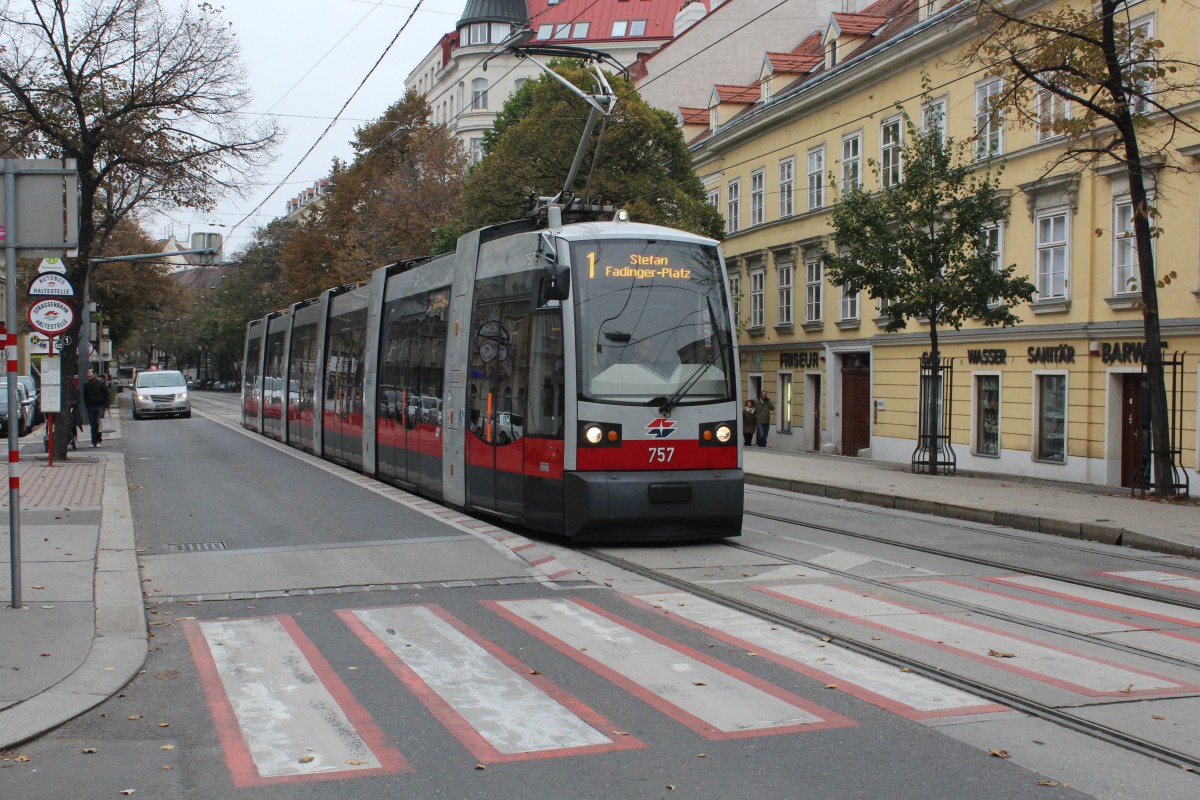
x=691 y=13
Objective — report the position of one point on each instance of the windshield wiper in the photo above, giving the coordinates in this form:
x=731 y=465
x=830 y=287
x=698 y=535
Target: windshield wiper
x=672 y=401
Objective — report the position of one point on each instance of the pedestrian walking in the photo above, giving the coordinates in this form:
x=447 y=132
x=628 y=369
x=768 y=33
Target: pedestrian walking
x=95 y=401
x=748 y=422
x=763 y=408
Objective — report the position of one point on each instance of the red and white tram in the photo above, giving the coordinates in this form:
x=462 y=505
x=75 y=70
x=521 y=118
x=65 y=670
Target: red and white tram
x=578 y=379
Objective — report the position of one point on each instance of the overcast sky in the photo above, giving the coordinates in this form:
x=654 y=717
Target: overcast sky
x=304 y=59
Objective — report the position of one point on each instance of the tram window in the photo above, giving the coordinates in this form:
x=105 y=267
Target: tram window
x=544 y=411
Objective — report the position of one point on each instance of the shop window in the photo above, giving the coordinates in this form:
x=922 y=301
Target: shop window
x=987 y=415
x=1051 y=433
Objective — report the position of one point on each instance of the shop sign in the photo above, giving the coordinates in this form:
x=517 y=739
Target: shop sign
x=803 y=360
x=997 y=356
x=1052 y=354
x=1124 y=352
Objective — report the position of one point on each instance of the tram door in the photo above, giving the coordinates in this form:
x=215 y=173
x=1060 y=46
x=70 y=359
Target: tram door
x=496 y=392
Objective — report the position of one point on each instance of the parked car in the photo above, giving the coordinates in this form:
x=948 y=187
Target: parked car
x=162 y=393
x=24 y=414
x=31 y=389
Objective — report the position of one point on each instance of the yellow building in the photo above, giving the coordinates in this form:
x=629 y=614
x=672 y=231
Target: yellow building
x=1055 y=397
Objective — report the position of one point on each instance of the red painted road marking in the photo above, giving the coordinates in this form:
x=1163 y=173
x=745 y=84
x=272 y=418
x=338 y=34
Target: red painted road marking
x=1161 y=580
x=281 y=713
x=500 y=709
x=714 y=699
x=1093 y=677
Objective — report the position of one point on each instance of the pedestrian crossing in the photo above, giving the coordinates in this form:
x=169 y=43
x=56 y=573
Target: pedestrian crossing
x=282 y=714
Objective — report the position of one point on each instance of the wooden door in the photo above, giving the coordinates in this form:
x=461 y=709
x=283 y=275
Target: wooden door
x=856 y=405
x=1135 y=429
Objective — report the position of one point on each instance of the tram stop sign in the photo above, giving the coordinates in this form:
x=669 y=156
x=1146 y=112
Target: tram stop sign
x=50 y=316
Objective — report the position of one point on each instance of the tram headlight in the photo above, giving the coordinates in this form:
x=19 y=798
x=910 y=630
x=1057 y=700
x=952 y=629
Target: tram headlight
x=593 y=434
x=717 y=434
x=724 y=433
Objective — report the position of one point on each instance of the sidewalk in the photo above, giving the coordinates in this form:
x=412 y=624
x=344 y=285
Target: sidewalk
x=81 y=633
x=1101 y=514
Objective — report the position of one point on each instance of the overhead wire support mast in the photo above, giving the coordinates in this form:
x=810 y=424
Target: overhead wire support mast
x=601 y=102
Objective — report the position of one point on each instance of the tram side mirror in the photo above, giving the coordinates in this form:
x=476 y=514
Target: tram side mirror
x=556 y=283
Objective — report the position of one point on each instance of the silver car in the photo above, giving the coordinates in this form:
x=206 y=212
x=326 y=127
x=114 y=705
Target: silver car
x=160 y=393
x=24 y=413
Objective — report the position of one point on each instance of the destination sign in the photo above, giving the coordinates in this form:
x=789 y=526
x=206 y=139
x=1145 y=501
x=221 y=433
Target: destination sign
x=638 y=267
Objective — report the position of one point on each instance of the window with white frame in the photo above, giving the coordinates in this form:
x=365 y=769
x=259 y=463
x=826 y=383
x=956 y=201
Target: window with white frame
x=1050 y=437
x=479 y=91
x=1143 y=30
x=714 y=198
x=787 y=187
x=758 y=197
x=814 y=289
x=545 y=31
x=849 y=304
x=765 y=86
x=851 y=162
x=562 y=30
x=785 y=271
x=989 y=125
x=991 y=242
x=890 y=145
x=933 y=119
x=758 y=292
x=816 y=178
x=637 y=27
x=620 y=27
x=1052 y=109
x=581 y=30
x=735 y=291
x=476 y=149
x=1052 y=256
x=1125 y=262
x=733 y=207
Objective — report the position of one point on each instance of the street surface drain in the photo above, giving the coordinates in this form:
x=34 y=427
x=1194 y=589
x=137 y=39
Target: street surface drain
x=195 y=547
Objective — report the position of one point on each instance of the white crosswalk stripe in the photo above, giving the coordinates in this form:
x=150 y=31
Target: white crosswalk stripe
x=282 y=713
x=906 y=693
x=1155 y=609
x=714 y=699
x=460 y=679
x=1166 y=580
x=1051 y=665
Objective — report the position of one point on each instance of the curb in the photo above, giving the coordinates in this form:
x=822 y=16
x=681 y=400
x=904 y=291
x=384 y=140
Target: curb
x=1073 y=529
x=120 y=644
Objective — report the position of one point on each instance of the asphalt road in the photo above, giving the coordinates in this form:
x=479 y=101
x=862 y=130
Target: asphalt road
x=318 y=635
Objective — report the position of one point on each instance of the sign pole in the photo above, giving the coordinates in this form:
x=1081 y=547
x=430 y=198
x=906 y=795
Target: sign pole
x=50 y=424
x=10 y=316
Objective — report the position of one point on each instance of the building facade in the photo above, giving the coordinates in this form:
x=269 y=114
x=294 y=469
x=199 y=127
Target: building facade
x=1056 y=397
x=465 y=94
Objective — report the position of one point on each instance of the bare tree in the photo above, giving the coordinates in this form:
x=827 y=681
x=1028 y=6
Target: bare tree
x=149 y=102
x=1096 y=75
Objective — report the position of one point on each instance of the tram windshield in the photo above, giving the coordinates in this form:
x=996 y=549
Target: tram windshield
x=651 y=325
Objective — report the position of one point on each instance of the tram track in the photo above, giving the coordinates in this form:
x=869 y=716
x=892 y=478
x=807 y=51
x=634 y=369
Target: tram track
x=1058 y=716
x=990 y=563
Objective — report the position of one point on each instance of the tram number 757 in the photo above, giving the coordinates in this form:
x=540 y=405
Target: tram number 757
x=661 y=455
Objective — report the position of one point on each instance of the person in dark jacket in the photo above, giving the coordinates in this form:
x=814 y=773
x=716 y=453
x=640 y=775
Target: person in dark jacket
x=748 y=422
x=763 y=407
x=95 y=401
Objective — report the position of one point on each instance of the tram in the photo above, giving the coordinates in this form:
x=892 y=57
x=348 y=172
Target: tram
x=577 y=379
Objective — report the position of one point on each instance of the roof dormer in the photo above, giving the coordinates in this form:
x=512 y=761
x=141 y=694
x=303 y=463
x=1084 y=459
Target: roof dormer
x=930 y=8
x=845 y=33
x=780 y=69
x=727 y=101
x=693 y=121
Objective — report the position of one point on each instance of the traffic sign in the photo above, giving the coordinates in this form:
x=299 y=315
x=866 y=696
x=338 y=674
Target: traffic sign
x=51 y=284
x=50 y=316
x=39 y=344
x=52 y=265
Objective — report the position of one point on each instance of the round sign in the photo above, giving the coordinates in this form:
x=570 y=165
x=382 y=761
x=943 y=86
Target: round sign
x=51 y=284
x=51 y=317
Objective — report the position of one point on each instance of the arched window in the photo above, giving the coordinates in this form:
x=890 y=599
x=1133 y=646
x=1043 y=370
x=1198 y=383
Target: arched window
x=479 y=88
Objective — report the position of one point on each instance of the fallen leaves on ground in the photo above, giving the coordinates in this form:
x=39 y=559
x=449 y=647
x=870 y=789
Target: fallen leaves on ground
x=1000 y=654
x=307 y=759
x=998 y=753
